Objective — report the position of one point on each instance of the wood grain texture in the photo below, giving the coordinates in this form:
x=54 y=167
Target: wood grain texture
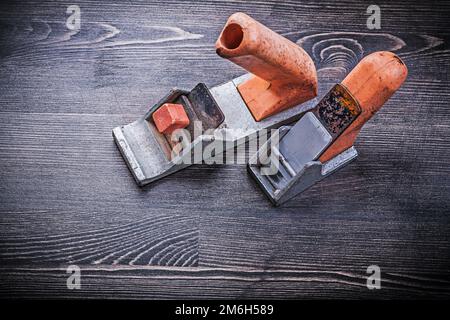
x=217 y=283
x=67 y=196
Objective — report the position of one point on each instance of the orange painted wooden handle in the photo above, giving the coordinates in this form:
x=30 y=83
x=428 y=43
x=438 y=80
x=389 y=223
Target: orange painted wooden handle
x=284 y=74
x=372 y=82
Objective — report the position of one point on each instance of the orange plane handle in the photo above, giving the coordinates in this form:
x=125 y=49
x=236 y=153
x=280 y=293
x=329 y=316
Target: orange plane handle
x=284 y=74
x=372 y=82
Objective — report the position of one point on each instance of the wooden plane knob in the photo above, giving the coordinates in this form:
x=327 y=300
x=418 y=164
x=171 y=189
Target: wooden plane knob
x=372 y=82
x=284 y=74
x=170 y=117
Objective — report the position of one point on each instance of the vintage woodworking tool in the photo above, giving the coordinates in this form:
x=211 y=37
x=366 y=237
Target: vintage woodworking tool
x=282 y=77
x=321 y=142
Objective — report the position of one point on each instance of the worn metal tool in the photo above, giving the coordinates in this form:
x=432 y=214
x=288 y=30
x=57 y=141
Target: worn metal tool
x=282 y=77
x=321 y=142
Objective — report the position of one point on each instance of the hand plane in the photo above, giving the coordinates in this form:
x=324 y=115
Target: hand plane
x=282 y=76
x=321 y=141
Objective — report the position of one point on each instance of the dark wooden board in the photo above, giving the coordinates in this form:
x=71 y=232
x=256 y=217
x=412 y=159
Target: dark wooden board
x=66 y=195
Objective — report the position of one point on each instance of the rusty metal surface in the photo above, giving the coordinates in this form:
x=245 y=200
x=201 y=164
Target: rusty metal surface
x=205 y=106
x=337 y=110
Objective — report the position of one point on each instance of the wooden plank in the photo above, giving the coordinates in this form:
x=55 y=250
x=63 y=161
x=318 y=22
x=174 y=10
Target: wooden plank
x=200 y=283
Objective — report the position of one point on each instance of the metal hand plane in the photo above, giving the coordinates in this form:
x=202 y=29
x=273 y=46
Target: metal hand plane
x=317 y=142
